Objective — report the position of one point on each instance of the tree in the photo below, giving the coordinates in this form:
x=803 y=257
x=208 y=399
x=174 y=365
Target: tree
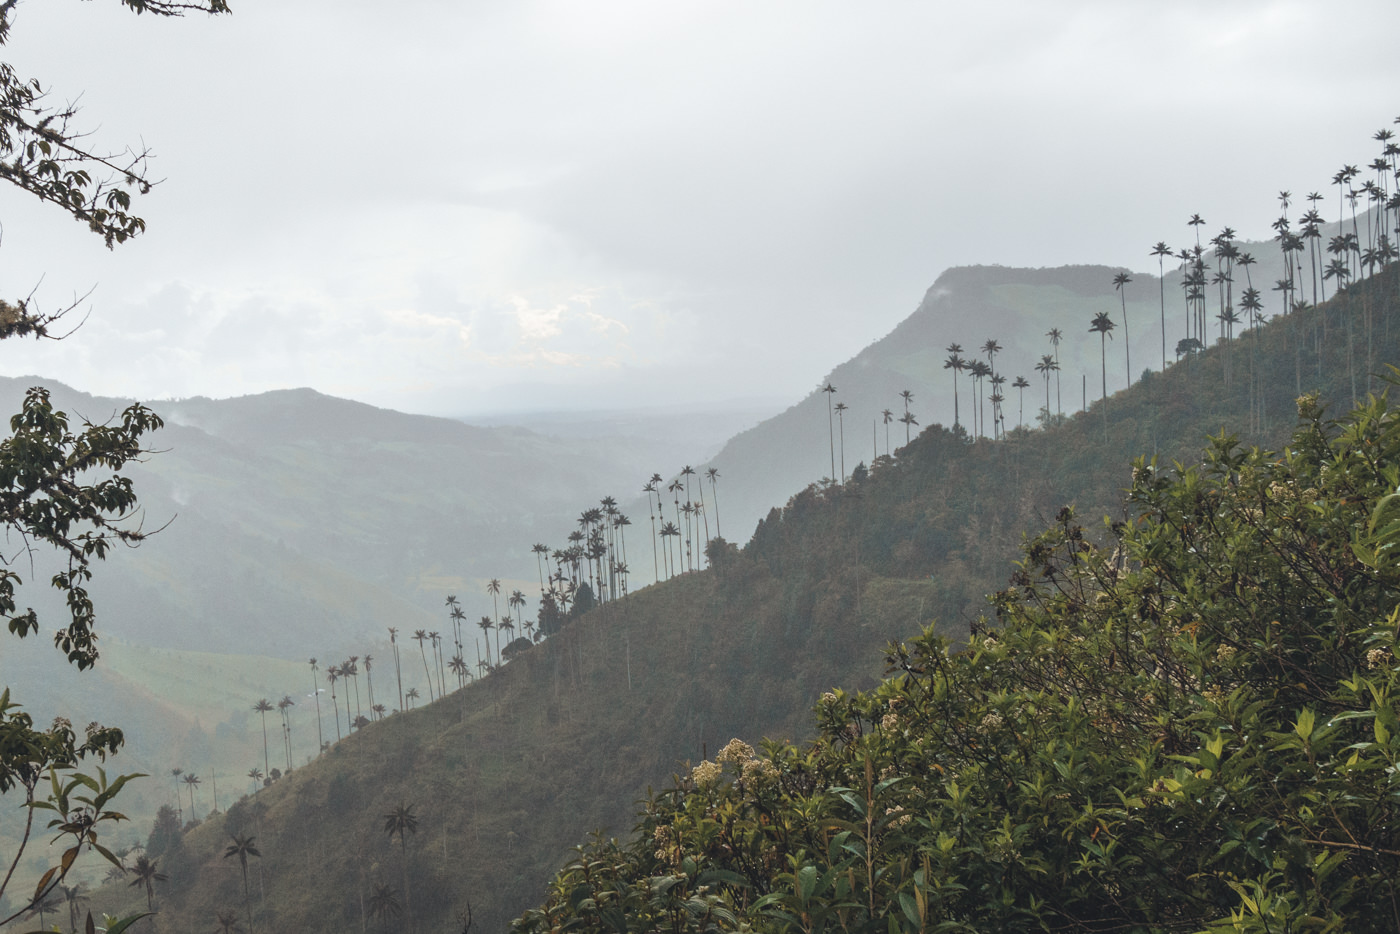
x=191 y=782
x=384 y=904
x=420 y=636
x=1119 y=281
x=1102 y=325
x=1045 y=367
x=401 y=821
x=1020 y=386
x=262 y=707
x=841 y=419
x=398 y=670
x=243 y=847
x=1055 y=338
x=147 y=873
x=955 y=363
x=1162 y=251
x=712 y=473
x=830 y=391
x=316 y=693
x=227 y=920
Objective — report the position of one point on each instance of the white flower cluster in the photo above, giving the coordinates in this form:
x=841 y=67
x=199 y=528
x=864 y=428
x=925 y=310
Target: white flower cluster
x=706 y=773
x=1377 y=658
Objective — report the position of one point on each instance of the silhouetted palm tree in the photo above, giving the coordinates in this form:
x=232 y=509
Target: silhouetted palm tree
x=1103 y=326
x=1055 y=338
x=243 y=847
x=830 y=390
x=713 y=474
x=191 y=780
x=316 y=693
x=841 y=420
x=1119 y=281
x=1162 y=251
x=384 y=904
x=262 y=707
x=402 y=821
x=228 y=922
x=1020 y=385
x=333 y=675
x=147 y=873
x=398 y=671
x=420 y=636
x=888 y=417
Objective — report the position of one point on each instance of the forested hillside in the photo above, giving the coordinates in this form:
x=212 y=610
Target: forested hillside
x=503 y=776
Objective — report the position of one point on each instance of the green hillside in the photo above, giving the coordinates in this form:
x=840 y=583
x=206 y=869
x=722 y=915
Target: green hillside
x=505 y=775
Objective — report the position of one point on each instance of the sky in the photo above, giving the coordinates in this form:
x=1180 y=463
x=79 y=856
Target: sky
x=461 y=208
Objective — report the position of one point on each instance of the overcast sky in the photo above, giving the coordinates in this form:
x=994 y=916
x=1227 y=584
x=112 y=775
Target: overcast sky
x=455 y=207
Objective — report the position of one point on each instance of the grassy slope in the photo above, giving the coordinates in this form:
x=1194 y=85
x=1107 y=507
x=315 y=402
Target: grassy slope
x=507 y=774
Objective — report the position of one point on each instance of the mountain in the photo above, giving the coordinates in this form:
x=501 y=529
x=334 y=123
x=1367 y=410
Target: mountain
x=293 y=523
x=505 y=774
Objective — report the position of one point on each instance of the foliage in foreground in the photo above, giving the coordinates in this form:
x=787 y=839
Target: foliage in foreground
x=1190 y=728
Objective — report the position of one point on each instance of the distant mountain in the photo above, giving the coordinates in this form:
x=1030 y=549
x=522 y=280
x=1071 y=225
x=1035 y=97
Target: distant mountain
x=293 y=523
x=1017 y=307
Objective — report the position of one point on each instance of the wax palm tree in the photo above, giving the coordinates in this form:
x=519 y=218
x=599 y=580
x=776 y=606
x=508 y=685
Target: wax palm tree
x=980 y=371
x=74 y=897
x=384 y=904
x=908 y=420
x=411 y=696
x=401 y=821
x=1102 y=325
x=1045 y=367
x=712 y=474
x=1020 y=385
x=460 y=669
x=1119 y=281
x=830 y=390
x=649 y=489
x=285 y=704
x=486 y=626
x=1055 y=338
x=147 y=873
x=1162 y=251
x=887 y=416
x=670 y=530
x=398 y=670
x=493 y=587
x=175 y=773
x=841 y=421
x=316 y=693
x=262 y=707
x=420 y=636
x=332 y=676
x=242 y=847
x=256 y=774
x=956 y=363
x=191 y=780
x=369 y=660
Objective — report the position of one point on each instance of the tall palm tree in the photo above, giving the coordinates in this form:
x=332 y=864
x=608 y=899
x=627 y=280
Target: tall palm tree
x=486 y=626
x=384 y=904
x=333 y=675
x=908 y=420
x=256 y=774
x=887 y=416
x=262 y=707
x=1162 y=251
x=841 y=421
x=1020 y=385
x=1045 y=367
x=1119 y=281
x=401 y=821
x=398 y=670
x=980 y=371
x=420 y=636
x=649 y=489
x=1102 y=325
x=316 y=693
x=830 y=390
x=1055 y=338
x=73 y=896
x=179 y=806
x=369 y=661
x=243 y=847
x=147 y=873
x=285 y=704
x=493 y=587
x=191 y=780
x=712 y=474
x=412 y=695
x=955 y=363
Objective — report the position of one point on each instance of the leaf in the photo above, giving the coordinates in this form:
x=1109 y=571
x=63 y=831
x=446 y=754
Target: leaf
x=1304 y=726
x=124 y=923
